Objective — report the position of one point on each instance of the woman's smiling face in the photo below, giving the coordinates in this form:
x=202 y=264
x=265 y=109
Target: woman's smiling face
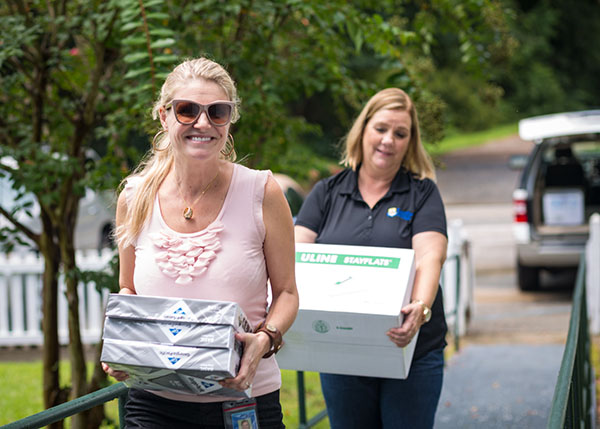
x=202 y=139
x=386 y=138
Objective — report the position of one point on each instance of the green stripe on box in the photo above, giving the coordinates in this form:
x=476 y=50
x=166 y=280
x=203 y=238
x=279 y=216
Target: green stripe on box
x=339 y=259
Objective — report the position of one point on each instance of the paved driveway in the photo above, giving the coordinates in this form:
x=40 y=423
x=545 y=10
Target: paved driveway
x=504 y=374
x=499 y=386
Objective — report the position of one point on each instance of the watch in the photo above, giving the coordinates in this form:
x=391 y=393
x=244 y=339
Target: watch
x=426 y=310
x=274 y=336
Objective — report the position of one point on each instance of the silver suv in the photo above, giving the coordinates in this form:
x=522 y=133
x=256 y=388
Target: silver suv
x=558 y=190
x=94 y=223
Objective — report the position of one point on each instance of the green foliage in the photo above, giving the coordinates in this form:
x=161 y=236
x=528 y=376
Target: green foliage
x=53 y=87
x=147 y=48
x=472 y=103
x=106 y=279
x=556 y=66
x=532 y=87
x=280 y=53
x=469 y=42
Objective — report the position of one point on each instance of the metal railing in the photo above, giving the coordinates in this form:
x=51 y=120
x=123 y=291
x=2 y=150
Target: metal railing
x=454 y=312
x=573 y=404
x=76 y=406
x=302 y=419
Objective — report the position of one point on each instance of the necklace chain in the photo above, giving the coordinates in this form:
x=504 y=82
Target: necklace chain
x=188 y=212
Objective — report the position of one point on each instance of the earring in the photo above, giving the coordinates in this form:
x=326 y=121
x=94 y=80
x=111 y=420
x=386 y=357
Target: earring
x=229 y=148
x=157 y=140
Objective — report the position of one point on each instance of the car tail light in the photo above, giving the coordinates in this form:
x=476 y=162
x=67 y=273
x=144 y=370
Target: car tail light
x=520 y=205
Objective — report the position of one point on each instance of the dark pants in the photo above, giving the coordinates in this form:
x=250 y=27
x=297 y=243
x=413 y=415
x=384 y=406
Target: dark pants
x=368 y=402
x=148 y=411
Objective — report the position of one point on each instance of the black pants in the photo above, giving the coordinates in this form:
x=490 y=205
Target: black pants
x=148 y=411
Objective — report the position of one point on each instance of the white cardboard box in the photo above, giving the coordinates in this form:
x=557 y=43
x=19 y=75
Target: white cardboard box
x=349 y=297
x=563 y=206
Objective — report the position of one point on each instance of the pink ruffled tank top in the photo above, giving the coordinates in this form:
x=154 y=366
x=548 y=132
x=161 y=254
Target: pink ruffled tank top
x=225 y=261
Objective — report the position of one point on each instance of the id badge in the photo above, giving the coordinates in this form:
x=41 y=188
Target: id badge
x=240 y=414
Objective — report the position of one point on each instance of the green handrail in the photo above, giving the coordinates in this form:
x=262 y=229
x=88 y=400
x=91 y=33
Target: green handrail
x=304 y=423
x=78 y=405
x=572 y=402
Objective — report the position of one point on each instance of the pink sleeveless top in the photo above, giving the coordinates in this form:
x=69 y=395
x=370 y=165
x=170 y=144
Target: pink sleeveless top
x=224 y=262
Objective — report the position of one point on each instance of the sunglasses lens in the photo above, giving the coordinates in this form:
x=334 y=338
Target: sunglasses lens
x=186 y=112
x=219 y=113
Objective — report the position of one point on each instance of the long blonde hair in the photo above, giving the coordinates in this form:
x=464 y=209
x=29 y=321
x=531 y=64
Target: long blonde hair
x=416 y=160
x=158 y=161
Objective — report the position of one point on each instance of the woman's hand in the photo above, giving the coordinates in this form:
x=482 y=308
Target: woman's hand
x=413 y=319
x=255 y=347
x=118 y=375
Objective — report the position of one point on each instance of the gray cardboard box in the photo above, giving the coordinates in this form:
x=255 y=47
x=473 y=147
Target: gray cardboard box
x=177 y=310
x=220 y=363
x=191 y=370
x=176 y=333
x=181 y=382
x=181 y=345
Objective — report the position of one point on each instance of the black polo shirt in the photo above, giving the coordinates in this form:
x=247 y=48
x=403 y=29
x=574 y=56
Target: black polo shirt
x=336 y=211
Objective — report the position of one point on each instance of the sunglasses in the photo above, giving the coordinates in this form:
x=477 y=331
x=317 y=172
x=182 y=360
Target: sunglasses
x=187 y=112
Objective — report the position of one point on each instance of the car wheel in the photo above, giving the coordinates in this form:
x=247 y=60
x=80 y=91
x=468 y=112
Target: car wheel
x=528 y=277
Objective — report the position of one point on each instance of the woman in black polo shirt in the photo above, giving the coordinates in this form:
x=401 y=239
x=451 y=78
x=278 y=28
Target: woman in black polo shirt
x=386 y=197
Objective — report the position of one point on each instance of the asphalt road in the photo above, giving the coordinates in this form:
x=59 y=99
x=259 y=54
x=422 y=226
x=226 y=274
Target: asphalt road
x=503 y=375
x=481 y=175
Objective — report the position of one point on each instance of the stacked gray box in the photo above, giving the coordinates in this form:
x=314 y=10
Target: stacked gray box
x=176 y=333
x=181 y=345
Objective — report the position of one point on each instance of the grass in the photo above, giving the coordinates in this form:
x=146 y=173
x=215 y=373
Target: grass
x=21 y=393
x=464 y=140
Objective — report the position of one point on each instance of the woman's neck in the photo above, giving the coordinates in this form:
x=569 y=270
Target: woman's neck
x=375 y=179
x=193 y=179
x=373 y=187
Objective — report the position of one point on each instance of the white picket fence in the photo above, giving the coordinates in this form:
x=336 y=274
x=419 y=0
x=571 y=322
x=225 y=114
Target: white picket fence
x=21 y=294
x=21 y=300
x=458 y=280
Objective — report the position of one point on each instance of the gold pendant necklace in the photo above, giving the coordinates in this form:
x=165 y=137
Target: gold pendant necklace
x=188 y=212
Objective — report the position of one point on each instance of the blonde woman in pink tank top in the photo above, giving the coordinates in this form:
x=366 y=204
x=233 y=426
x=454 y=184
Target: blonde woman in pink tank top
x=192 y=224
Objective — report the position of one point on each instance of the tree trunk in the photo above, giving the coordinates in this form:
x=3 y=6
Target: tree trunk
x=99 y=379
x=78 y=369
x=52 y=393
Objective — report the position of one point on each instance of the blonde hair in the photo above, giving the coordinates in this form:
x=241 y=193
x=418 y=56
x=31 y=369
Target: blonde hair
x=416 y=160
x=158 y=161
